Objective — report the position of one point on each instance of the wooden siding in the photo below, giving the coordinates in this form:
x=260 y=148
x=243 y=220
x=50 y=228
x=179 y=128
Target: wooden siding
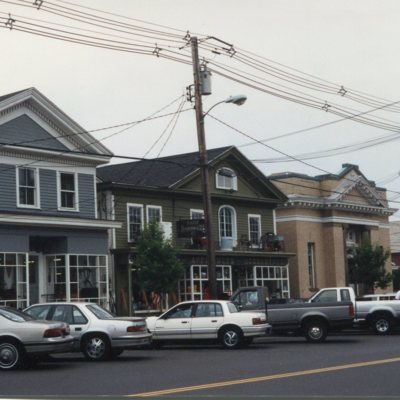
x=47 y=193
x=8 y=192
x=178 y=207
x=87 y=196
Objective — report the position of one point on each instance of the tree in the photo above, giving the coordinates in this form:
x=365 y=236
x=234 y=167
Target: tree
x=367 y=266
x=159 y=268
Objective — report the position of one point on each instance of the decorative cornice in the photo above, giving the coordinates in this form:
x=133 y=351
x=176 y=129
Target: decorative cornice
x=352 y=207
x=329 y=220
x=38 y=156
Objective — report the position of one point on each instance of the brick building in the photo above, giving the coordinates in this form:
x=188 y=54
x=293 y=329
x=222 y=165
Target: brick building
x=323 y=217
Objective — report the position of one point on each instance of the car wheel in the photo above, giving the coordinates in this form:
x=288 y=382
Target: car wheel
x=315 y=331
x=11 y=355
x=231 y=338
x=382 y=325
x=96 y=347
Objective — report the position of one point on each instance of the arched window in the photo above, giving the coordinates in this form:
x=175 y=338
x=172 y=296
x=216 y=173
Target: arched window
x=226 y=178
x=227 y=225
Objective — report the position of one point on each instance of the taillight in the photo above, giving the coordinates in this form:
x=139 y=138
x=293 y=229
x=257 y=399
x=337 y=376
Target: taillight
x=351 y=310
x=135 y=328
x=258 y=321
x=54 y=332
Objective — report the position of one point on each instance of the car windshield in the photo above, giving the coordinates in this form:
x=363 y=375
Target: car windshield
x=15 y=315
x=99 y=312
x=232 y=308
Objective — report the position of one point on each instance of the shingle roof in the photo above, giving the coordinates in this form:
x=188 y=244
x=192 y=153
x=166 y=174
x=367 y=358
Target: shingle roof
x=158 y=172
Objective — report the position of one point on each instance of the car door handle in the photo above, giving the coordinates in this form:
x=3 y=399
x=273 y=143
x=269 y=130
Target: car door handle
x=78 y=329
x=214 y=320
x=184 y=322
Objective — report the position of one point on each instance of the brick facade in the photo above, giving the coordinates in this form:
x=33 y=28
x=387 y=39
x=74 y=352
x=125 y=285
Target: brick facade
x=323 y=217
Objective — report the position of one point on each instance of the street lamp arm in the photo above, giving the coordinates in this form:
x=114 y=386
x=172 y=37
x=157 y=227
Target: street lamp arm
x=238 y=100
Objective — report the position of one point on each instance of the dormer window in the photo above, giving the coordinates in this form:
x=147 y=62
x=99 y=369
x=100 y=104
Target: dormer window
x=226 y=179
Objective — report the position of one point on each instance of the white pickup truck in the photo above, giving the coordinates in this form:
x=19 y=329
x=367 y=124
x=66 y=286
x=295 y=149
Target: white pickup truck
x=381 y=316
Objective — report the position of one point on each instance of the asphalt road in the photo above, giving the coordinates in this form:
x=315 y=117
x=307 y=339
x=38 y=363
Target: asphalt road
x=345 y=365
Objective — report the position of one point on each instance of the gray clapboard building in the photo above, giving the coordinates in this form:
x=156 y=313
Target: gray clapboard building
x=52 y=245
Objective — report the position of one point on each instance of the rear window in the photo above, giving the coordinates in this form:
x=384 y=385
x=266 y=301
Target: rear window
x=38 y=312
x=100 y=312
x=345 y=295
x=232 y=308
x=327 y=296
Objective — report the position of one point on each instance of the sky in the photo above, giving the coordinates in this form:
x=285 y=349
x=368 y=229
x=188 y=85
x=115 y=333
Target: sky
x=285 y=56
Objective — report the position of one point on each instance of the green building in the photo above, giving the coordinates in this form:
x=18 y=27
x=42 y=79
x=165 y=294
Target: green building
x=168 y=190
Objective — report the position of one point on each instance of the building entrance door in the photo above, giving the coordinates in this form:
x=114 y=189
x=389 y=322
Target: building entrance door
x=33 y=279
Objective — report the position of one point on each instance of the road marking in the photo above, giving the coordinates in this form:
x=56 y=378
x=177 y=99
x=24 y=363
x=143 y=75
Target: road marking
x=265 y=378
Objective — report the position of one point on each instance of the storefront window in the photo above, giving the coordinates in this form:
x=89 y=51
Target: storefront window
x=88 y=278
x=194 y=285
x=13 y=279
x=275 y=278
x=77 y=278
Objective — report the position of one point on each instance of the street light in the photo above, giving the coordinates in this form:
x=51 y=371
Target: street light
x=238 y=100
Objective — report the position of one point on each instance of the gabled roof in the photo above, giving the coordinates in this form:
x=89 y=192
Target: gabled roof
x=346 y=168
x=348 y=189
x=161 y=172
x=174 y=171
x=23 y=107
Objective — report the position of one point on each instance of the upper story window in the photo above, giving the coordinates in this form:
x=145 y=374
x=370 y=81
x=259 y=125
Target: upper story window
x=154 y=213
x=196 y=214
x=135 y=221
x=28 y=188
x=227 y=223
x=67 y=194
x=226 y=179
x=254 y=230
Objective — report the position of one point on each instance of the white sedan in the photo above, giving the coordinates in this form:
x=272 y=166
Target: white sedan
x=208 y=319
x=100 y=335
x=22 y=338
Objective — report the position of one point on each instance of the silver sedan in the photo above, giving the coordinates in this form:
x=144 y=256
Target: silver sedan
x=22 y=337
x=99 y=334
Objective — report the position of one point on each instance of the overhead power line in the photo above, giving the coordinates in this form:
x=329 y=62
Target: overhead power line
x=280 y=151
x=178 y=42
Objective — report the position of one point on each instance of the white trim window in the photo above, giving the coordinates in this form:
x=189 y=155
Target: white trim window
x=68 y=191
x=254 y=222
x=225 y=178
x=196 y=214
x=27 y=187
x=154 y=213
x=135 y=221
x=227 y=226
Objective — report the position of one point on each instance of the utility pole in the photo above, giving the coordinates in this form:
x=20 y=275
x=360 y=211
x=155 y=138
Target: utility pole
x=212 y=281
